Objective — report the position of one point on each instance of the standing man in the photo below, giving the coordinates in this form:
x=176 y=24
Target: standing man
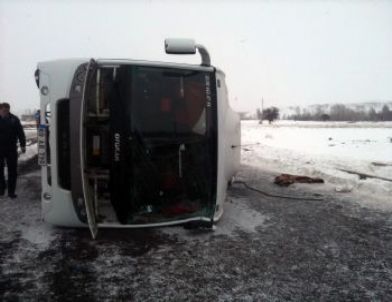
x=11 y=131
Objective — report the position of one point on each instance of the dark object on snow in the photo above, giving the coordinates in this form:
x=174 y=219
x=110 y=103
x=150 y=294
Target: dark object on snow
x=279 y=196
x=288 y=179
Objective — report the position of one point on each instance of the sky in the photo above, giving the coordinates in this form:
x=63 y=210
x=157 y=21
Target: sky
x=287 y=52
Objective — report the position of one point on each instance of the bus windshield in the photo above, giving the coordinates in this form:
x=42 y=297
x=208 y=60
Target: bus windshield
x=163 y=133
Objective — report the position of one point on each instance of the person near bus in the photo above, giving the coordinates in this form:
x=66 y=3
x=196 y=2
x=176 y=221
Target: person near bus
x=11 y=131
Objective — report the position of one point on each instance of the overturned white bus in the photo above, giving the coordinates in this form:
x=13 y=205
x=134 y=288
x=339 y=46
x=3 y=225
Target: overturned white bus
x=126 y=143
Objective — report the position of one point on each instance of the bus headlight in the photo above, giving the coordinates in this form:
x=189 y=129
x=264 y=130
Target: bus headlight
x=36 y=77
x=44 y=90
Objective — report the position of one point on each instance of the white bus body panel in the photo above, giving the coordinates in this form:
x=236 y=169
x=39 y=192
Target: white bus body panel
x=229 y=139
x=57 y=76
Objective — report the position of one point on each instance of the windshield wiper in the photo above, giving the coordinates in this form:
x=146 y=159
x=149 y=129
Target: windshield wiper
x=180 y=150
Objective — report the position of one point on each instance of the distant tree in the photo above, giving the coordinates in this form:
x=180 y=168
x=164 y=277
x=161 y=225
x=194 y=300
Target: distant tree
x=318 y=111
x=372 y=114
x=298 y=111
x=386 y=114
x=325 y=117
x=271 y=114
x=306 y=115
x=338 y=112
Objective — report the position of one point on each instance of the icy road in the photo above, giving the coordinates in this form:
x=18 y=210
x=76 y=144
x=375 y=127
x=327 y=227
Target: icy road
x=334 y=247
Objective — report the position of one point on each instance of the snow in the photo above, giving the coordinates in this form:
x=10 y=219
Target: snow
x=40 y=235
x=36 y=233
x=237 y=217
x=30 y=227
x=262 y=249
x=30 y=133
x=31 y=151
x=323 y=149
x=31 y=146
x=363 y=141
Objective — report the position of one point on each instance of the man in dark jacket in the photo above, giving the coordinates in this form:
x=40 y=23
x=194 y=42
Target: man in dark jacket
x=11 y=131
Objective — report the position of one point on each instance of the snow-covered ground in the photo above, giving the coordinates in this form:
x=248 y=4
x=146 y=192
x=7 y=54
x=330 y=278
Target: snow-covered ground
x=263 y=249
x=324 y=150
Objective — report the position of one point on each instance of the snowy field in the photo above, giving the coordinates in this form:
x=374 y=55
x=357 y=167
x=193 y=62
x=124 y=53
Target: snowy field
x=327 y=150
x=347 y=141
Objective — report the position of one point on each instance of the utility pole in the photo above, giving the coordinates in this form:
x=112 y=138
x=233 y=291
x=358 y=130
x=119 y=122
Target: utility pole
x=262 y=108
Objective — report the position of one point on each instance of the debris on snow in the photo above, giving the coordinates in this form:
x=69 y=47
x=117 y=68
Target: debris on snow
x=288 y=179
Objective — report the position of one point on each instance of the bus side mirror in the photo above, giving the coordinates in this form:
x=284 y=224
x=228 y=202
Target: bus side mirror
x=187 y=47
x=180 y=46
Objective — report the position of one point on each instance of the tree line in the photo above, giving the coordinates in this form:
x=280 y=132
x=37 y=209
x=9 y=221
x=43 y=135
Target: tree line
x=340 y=112
x=270 y=114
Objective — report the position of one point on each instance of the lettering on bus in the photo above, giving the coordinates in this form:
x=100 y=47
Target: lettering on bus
x=117 y=147
x=208 y=90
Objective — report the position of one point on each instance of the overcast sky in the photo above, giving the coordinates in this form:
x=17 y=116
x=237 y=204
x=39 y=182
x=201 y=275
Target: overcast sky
x=289 y=52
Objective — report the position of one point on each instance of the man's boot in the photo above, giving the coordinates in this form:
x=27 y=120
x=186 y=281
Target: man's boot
x=12 y=195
